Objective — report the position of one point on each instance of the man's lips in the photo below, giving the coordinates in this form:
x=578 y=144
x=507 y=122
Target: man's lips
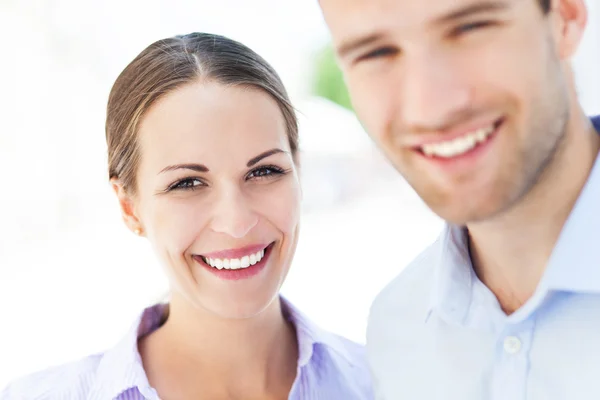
x=417 y=141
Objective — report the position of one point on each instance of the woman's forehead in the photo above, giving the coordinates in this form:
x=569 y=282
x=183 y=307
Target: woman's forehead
x=214 y=122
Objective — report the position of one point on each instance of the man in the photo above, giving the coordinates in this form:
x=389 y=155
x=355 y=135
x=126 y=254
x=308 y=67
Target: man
x=474 y=102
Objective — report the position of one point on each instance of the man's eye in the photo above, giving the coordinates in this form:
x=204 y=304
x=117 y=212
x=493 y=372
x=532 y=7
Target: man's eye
x=379 y=53
x=470 y=27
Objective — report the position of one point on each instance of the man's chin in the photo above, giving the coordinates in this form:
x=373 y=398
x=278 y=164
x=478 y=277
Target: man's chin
x=460 y=215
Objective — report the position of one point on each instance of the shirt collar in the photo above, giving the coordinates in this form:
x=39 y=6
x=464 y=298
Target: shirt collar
x=453 y=276
x=574 y=265
x=309 y=335
x=121 y=368
x=575 y=262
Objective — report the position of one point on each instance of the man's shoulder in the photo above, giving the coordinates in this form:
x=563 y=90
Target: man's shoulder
x=407 y=296
x=398 y=341
x=70 y=381
x=596 y=122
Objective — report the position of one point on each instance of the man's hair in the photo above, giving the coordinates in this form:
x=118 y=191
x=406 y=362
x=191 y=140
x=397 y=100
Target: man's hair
x=545 y=5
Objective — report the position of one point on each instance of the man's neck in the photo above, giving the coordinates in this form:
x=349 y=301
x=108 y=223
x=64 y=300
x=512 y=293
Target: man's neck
x=510 y=252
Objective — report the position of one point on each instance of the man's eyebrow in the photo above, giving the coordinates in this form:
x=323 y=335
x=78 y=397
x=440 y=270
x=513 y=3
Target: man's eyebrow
x=472 y=9
x=352 y=45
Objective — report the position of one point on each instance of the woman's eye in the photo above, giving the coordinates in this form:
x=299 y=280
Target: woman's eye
x=264 y=172
x=187 y=184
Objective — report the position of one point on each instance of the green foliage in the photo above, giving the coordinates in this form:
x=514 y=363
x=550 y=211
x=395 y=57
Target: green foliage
x=328 y=80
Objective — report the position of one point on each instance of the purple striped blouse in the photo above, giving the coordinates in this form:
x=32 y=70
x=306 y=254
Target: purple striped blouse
x=329 y=368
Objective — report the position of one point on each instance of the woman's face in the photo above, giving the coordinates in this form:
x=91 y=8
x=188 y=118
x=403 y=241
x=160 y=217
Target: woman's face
x=218 y=196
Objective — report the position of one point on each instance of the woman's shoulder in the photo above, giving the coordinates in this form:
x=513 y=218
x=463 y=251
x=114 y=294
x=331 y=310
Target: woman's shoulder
x=352 y=352
x=350 y=356
x=105 y=375
x=310 y=334
x=342 y=364
x=332 y=362
x=68 y=381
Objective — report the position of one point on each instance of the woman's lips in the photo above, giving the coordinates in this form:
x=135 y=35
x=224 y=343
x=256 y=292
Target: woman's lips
x=236 y=253
x=246 y=265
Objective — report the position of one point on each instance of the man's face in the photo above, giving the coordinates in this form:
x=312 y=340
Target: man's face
x=467 y=98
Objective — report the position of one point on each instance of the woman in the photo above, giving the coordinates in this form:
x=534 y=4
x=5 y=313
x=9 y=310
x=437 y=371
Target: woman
x=203 y=157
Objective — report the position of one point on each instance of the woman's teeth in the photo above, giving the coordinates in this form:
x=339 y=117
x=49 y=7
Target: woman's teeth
x=458 y=146
x=235 y=263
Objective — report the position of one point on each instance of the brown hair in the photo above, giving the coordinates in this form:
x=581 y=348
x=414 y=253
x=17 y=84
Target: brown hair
x=168 y=64
x=545 y=5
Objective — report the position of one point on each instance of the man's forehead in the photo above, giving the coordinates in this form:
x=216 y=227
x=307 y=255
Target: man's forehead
x=358 y=13
x=356 y=20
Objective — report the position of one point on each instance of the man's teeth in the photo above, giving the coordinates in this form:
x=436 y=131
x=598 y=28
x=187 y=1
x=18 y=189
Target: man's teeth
x=458 y=146
x=235 y=263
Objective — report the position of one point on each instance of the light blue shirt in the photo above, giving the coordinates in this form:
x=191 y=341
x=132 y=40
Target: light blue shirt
x=437 y=332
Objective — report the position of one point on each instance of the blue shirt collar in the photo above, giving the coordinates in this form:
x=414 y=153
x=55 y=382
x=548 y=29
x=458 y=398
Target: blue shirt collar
x=574 y=265
x=121 y=368
x=453 y=276
x=575 y=262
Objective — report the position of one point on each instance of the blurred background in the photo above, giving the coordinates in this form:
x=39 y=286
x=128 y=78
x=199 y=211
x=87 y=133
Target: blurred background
x=72 y=278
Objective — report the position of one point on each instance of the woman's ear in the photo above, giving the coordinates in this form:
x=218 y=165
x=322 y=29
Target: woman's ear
x=127 y=205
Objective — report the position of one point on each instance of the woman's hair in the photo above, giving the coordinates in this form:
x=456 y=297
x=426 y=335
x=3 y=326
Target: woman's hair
x=169 y=64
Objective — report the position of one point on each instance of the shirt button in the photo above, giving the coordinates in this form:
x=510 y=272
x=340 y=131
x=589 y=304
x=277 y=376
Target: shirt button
x=512 y=344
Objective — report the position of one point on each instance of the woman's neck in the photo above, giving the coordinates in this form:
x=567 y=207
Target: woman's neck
x=198 y=352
